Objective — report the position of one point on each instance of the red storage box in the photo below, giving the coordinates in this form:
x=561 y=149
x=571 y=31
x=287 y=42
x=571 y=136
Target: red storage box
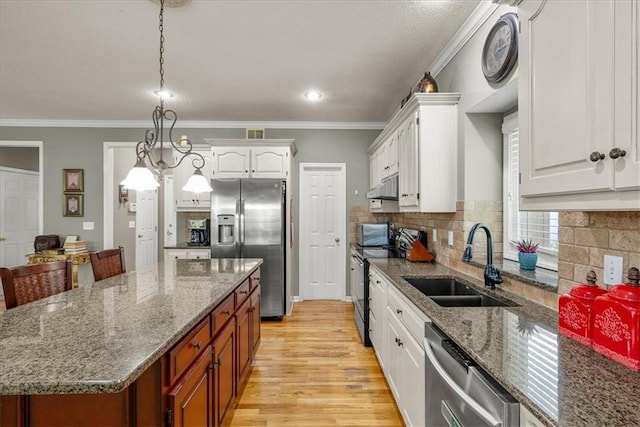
x=575 y=310
x=616 y=323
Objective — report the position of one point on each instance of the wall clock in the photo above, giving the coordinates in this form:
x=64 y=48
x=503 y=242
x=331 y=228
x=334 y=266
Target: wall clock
x=500 y=50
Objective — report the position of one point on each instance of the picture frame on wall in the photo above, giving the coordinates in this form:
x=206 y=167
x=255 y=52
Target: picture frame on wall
x=73 y=205
x=73 y=180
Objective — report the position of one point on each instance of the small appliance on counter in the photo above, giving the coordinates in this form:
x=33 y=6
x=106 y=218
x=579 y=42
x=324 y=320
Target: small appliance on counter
x=47 y=242
x=370 y=234
x=575 y=311
x=199 y=232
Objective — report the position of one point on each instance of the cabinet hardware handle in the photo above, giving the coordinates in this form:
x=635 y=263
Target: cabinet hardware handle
x=400 y=343
x=337 y=239
x=253 y=170
x=196 y=345
x=397 y=340
x=140 y=236
x=378 y=281
x=219 y=362
x=398 y=311
x=244 y=292
x=616 y=152
x=226 y=312
x=596 y=155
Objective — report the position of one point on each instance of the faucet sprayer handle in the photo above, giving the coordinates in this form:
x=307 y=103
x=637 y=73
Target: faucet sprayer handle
x=467 y=256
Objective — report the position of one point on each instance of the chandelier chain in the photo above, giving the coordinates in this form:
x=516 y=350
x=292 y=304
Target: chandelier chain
x=161 y=27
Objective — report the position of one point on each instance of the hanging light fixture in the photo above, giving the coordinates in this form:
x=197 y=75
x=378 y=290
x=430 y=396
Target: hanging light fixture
x=140 y=177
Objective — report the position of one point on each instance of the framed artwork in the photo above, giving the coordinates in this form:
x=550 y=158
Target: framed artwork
x=73 y=180
x=73 y=205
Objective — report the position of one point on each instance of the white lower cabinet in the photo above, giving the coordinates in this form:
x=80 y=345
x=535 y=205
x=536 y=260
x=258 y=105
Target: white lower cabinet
x=396 y=335
x=527 y=419
x=186 y=254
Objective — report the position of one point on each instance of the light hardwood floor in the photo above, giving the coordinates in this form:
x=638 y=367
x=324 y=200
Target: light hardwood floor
x=311 y=369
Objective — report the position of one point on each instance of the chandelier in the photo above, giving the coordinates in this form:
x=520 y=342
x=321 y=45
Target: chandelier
x=141 y=177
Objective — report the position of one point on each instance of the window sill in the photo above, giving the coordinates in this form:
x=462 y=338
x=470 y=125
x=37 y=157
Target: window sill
x=540 y=277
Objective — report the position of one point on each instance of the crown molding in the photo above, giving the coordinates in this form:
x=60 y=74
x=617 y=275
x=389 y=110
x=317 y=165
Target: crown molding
x=192 y=124
x=479 y=16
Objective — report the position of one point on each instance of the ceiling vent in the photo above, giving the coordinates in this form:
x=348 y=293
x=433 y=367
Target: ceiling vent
x=255 y=133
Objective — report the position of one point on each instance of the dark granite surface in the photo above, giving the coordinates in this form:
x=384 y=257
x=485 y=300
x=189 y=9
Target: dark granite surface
x=98 y=338
x=560 y=381
x=540 y=277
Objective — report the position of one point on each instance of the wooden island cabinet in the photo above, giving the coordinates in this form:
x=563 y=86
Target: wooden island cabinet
x=194 y=382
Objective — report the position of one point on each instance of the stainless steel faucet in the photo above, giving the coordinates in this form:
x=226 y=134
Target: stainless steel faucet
x=491 y=274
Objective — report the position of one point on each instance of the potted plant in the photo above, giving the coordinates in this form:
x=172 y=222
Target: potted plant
x=527 y=254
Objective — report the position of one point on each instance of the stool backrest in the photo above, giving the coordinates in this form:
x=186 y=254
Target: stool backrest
x=32 y=282
x=107 y=263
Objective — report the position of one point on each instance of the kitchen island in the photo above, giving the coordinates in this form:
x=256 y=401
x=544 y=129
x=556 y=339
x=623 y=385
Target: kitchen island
x=110 y=345
x=563 y=383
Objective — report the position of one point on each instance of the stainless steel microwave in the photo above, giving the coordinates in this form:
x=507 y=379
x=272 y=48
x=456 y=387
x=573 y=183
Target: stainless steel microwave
x=373 y=234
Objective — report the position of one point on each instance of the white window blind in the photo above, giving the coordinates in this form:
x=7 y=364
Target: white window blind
x=540 y=227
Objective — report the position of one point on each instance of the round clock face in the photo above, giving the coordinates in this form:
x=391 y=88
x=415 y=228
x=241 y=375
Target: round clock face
x=500 y=48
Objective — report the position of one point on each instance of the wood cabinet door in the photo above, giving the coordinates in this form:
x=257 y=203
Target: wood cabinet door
x=243 y=340
x=255 y=321
x=190 y=399
x=563 y=121
x=224 y=354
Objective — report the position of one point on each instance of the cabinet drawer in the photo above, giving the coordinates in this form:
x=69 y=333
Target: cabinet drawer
x=407 y=313
x=242 y=292
x=222 y=313
x=183 y=353
x=254 y=279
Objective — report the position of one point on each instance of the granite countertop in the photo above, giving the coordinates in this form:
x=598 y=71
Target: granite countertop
x=561 y=381
x=98 y=338
x=186 y=245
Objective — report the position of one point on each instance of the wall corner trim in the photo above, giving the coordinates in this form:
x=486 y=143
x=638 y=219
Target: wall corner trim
x=481 y=13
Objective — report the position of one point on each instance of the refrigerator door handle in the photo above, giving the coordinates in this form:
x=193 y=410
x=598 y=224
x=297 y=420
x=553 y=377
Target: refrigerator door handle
x=236 y=231
x=241 y=234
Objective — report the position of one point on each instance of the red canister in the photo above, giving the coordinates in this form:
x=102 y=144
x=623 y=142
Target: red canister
x=575 y=310
x=616 y=322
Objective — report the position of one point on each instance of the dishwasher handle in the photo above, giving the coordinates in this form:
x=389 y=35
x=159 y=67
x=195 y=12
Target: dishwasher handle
x=475 y=406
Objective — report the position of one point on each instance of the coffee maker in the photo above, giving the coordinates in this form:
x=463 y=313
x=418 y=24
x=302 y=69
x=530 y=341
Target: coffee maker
x=199 y=232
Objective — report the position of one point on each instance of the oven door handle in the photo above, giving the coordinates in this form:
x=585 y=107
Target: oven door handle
x=475 y=406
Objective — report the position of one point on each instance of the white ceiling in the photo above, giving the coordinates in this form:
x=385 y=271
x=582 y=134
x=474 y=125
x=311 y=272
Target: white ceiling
x=224 y=60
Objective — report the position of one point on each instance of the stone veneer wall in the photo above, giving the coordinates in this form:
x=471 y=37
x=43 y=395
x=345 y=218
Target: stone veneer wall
x=585 y=237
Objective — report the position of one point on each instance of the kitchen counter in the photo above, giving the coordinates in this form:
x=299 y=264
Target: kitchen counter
x=100 y=337
x=187 y=246
x=560 y=381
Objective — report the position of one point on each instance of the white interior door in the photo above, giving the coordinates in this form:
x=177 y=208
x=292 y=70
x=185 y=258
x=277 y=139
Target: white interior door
x=170 y=216
x=323 y=242
x=19 y=200
x=146 y=228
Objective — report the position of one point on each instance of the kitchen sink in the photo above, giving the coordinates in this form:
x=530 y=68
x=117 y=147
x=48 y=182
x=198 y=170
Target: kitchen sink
x=449 y=292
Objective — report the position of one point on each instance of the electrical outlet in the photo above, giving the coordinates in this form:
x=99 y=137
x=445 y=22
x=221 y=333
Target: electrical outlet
x=435 y=234
x=132 y=224
x=450 y=238
x=612 y=270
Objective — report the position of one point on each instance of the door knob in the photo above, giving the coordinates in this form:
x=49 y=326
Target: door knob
x=595 y=156
x=2 y=239
x=140 y=236
x=337 y=239
x=616 y=152
x=169 y=233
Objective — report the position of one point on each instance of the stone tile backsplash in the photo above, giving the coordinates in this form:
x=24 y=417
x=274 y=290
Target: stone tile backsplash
x=585 y=237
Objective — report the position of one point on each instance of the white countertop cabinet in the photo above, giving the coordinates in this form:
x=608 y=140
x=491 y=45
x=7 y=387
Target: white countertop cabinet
x=251 y=162
x=579 y=105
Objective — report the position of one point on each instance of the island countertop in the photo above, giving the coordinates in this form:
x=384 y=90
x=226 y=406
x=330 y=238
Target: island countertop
x=98 y=338
x=561 y=381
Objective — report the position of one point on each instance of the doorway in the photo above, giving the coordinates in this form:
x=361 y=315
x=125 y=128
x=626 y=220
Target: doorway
x=323 y=243
x=21 y=200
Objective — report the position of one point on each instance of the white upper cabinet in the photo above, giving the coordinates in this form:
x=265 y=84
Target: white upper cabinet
x=187 y=200
x=425 y=136
x=250 y=162
x=231 y=162
x=578 y=105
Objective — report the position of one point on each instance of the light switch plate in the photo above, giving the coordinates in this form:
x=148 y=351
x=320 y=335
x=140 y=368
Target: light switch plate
x=612 y=270
x=88 y=226
x=132 y=224
x=450 y=238
x=435 y=235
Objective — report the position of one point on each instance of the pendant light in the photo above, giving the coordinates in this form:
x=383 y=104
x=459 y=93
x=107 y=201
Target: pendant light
x=141 y=176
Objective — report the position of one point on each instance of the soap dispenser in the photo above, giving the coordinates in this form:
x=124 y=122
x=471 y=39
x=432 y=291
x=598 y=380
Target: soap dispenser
x=575 y=310
x=616 y=322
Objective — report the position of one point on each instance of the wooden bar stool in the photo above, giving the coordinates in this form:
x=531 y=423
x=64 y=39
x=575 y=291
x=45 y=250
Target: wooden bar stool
x=107 y=263
x=27 y=283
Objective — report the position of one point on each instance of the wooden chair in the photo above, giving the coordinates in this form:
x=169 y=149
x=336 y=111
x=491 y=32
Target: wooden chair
x=107 y=263
x=32 y=282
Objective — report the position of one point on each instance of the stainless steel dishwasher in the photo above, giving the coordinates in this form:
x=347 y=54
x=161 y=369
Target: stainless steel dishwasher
x=458 y=392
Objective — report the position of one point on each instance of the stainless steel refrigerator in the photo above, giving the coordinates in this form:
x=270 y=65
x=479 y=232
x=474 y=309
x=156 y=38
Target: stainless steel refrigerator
x=248 y=221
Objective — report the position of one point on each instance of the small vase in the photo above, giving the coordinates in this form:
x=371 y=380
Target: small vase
x=427 y=84
x=527 y=261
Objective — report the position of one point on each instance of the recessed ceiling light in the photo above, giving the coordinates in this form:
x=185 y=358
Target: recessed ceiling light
x=313 y=95
x=163 y=94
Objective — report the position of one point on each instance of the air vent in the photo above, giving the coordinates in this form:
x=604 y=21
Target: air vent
x=255 y=133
